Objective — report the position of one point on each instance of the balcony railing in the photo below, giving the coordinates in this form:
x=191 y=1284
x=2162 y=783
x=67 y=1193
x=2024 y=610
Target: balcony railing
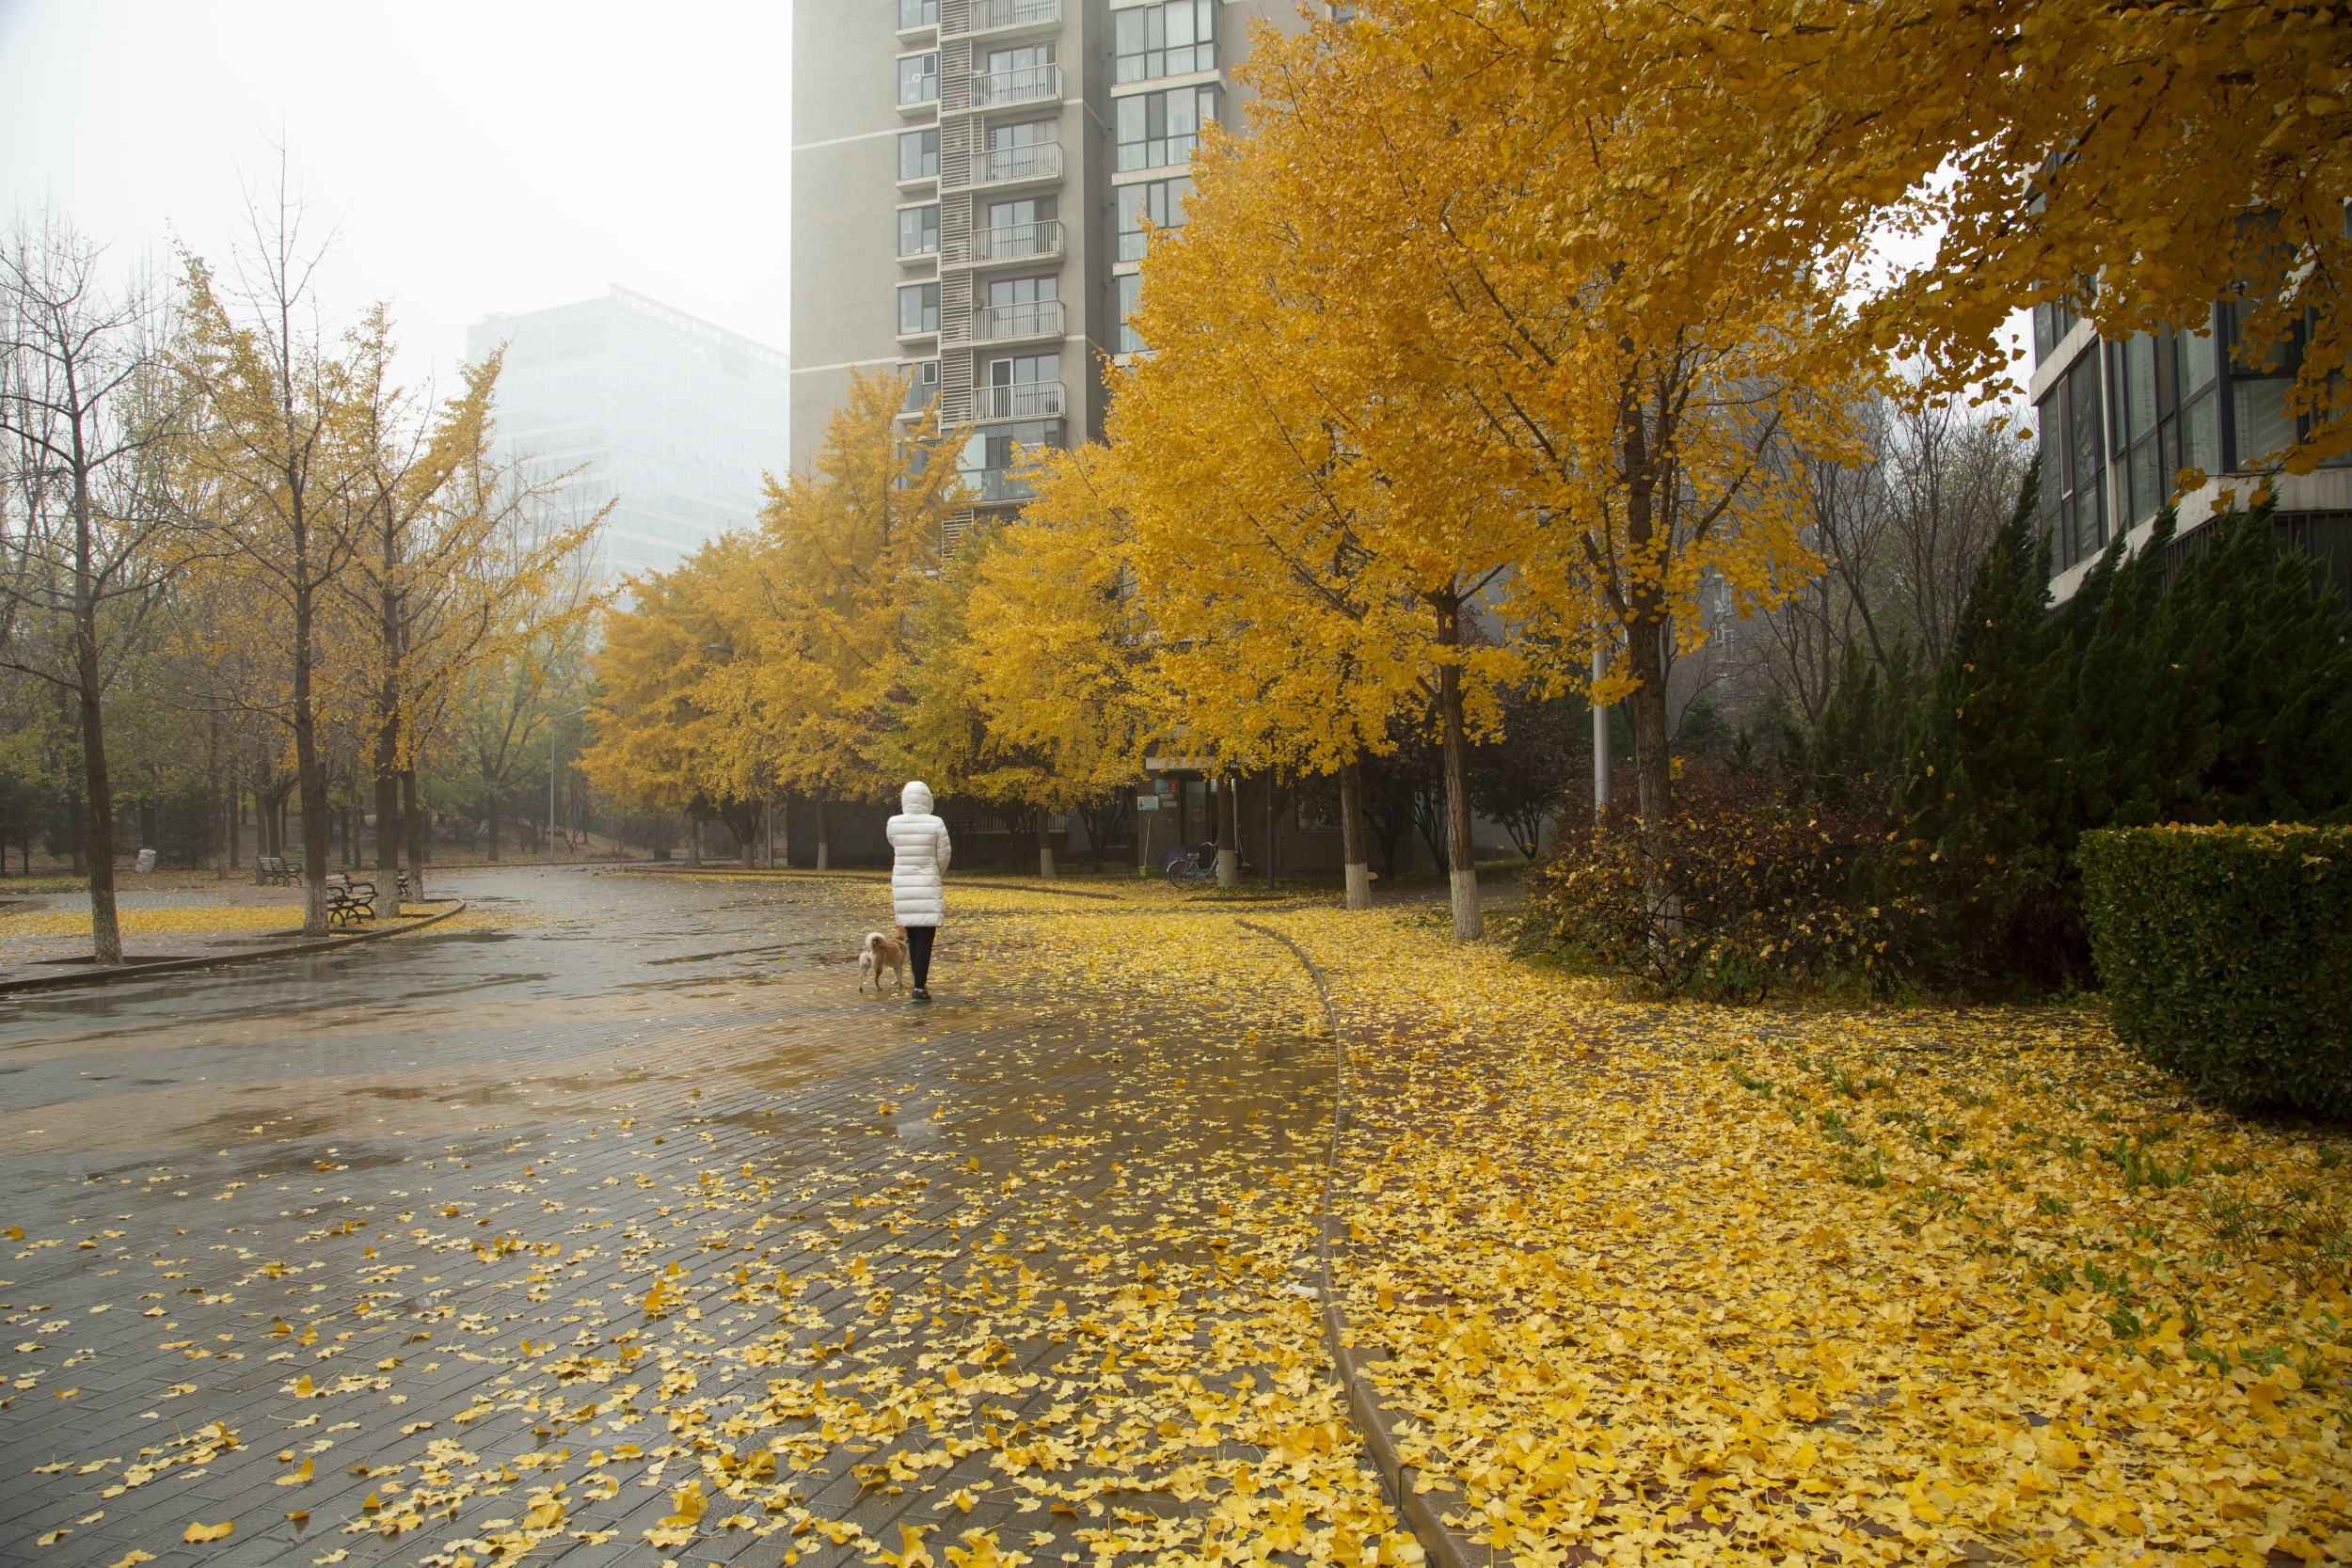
x=1024 y=400
x=1041 y=161
x=987 y=15
x=1014 y=242
x=998 y=484
x=1035 y=319
x=1030 y=84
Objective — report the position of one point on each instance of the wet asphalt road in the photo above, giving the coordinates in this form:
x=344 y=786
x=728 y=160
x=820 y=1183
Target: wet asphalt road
x=163 y=1137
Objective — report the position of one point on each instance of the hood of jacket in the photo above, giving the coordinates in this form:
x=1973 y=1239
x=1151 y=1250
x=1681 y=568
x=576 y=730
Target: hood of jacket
x=915 y=800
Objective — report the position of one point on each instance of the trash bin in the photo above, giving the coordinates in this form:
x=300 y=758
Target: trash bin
x=145 y=861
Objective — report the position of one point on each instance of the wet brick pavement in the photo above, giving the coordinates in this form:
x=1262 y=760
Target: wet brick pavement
x=403 y=1173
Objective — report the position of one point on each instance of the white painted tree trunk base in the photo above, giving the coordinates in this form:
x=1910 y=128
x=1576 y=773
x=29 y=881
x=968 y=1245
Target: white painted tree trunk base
x=1468 y=924
x=1045 y=861
x=1229 y=868
x=1359 y=885
x=825 y=857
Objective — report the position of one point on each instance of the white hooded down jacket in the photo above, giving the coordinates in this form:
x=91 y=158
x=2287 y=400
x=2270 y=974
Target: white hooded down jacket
x=919 y=844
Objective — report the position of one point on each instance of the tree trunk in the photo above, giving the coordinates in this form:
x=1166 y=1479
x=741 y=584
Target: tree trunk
x=106 y=925
x=494 y=825
x=387 y=813
x=413 y=813
x=236 y=814
x=1045 y=850
x=1352 y=855
x=1273 y=844
x=824 y=839
x=1461 y=858
x=77 y=833
x=1228 y=835
x=1653 y=775
x=1653 y=778
x=694 y=838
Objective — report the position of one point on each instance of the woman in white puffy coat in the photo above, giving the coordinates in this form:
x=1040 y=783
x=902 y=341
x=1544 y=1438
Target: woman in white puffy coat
x=920 y=852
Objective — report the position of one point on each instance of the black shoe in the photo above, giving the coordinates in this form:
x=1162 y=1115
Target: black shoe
x=921 y=995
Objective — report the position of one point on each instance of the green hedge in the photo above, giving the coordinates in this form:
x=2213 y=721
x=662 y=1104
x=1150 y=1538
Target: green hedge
x=2227 y=955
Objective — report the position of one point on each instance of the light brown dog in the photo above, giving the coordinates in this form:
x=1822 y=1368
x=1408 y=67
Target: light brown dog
x=881 y=953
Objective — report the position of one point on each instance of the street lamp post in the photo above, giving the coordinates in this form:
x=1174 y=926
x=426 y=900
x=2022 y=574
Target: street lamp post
x=1602 y=762
x=559 y=718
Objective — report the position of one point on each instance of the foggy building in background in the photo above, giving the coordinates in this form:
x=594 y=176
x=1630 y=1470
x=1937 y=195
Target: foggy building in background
x=673 y=419
x=970 y=180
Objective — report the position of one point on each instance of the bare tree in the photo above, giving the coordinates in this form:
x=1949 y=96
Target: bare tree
x=1952 y=479
x=1898 y=537
x=85 y=411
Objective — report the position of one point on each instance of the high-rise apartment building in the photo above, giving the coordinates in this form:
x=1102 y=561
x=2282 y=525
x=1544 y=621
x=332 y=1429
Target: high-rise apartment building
x=672 y=419
x=970 y=180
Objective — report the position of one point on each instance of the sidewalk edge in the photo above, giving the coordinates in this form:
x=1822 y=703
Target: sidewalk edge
x=181 y=966
x=1445 y=1547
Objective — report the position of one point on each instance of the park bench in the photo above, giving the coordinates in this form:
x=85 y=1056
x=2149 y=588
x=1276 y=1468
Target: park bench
x=348 y=901
x=274 y=870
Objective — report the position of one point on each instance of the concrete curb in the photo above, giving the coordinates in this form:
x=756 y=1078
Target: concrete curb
x=181 y=966
x=1446 y=1546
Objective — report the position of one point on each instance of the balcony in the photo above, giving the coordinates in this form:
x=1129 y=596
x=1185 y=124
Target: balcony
x=1031 y=84
x=988 y=16
x=1002 y=166
x=999 y=323
x=1017 y=242
x=1024 y=400
x=996 y=486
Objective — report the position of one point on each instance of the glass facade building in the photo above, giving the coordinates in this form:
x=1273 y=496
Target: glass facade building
x=2120 y=421
x=672 y=420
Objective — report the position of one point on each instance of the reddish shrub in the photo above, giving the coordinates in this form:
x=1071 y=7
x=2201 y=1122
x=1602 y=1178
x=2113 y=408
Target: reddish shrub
x=1742 y=892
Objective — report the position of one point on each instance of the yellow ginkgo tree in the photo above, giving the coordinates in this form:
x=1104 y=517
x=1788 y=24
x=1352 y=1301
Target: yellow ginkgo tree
x=819 y=622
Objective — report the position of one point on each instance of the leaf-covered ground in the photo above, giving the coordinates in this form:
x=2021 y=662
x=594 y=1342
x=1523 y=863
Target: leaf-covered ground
x=1668 y=1284
x=1661 y=1284
x=1045 y=1300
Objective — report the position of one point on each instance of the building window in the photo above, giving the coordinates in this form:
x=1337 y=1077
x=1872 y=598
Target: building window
x=1023 y=291
x=2198 y=443
x=919 y=229
x=1025 y=227
x=992 y=457
x=1024 y=387
x=918 y=78
x=1025 y=132
x=2260 y=375
x=918 y=153
x=1164 y=40
x=922 y=384
x=2144 y=481
x=1160 y=200
x=2086 y=514
x=918 y=308
x=1031 y=57
x=1130 y=292
x=1019 y=76
x=1021 y=307
x=918 y=13
x=1158 y=129
x=2073 y=464
x=2052 y=322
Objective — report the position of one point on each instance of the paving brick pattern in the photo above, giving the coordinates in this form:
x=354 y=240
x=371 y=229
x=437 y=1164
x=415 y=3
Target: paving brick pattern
x=345 y=1210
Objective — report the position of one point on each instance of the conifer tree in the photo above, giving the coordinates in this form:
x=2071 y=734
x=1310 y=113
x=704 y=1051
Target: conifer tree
x=1986 y=796
x=2238 y=679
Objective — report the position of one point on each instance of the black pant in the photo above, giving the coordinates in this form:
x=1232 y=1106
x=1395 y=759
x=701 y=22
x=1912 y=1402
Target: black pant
x=919 y=951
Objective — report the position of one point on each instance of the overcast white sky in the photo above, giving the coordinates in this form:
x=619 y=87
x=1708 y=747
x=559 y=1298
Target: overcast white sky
x=492 y=156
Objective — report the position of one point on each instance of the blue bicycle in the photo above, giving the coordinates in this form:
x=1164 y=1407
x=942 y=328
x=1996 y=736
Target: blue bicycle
x=1187 y=866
